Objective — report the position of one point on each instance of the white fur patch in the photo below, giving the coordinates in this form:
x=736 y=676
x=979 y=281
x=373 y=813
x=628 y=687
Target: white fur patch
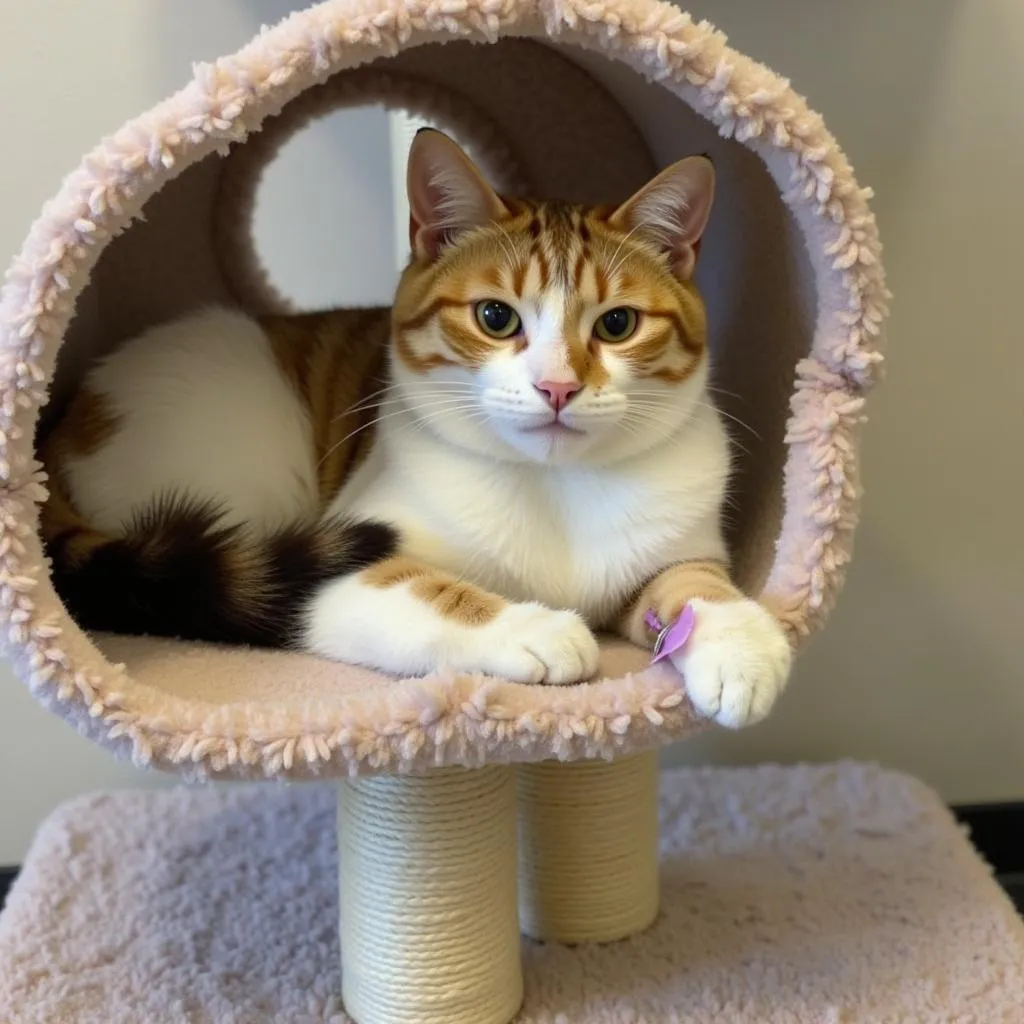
x=391 y=629
x=203 y=409
x=736 y=663
x=572 y=536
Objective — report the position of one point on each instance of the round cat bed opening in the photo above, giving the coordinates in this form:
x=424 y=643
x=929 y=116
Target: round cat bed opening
x=789 y=269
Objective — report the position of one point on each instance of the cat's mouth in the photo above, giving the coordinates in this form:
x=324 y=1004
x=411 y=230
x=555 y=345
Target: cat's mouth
x=553 y=428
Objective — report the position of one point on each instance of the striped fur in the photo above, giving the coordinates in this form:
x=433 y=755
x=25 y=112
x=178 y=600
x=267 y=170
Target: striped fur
x=177 y=572
x=539 y=247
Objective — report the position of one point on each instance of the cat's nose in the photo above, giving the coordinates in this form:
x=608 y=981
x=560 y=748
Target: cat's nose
x=558 y=394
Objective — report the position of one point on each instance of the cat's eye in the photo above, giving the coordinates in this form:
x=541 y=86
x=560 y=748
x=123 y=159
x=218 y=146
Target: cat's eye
x=616 y=324
x=497 y=319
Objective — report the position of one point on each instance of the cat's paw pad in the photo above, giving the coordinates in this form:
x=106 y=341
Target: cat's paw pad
x=736 y=662
x=529 y=643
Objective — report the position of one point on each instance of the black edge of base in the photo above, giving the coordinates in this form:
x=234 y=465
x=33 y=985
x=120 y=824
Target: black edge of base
x=997 y=832
x=7 y=876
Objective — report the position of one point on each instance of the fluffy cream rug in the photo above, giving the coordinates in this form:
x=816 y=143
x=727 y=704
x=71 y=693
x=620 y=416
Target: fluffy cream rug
x=834 y=895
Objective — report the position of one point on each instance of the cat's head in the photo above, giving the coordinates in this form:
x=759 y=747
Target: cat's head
x=544 y=332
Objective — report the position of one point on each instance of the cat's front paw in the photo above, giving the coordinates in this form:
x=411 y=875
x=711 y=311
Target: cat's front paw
x=735 y=663
x=530 y=643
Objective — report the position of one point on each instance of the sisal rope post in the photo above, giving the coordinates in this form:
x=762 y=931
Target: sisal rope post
x=588 y=848
x=427 y=873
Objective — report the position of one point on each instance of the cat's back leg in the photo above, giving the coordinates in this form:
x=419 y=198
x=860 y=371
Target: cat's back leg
x=198 y=406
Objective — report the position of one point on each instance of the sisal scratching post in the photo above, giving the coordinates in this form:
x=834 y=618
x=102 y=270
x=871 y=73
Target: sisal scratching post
x=588 y=848
x=428 y=898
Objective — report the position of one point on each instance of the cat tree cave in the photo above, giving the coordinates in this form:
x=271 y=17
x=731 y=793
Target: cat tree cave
x=469 y=808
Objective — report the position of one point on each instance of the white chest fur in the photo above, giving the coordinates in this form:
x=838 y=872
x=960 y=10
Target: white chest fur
x=569 y=536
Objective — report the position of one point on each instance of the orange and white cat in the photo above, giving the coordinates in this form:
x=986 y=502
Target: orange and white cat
x=521 y=451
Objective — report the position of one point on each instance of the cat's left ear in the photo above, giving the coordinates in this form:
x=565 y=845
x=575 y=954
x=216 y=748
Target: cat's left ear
x=672 y=211
x=447 y=194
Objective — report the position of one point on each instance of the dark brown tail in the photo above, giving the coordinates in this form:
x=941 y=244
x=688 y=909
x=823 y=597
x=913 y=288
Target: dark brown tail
x=176 y=572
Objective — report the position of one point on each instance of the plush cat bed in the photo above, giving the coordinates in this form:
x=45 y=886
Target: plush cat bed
x=579 y=100
x=791 y=896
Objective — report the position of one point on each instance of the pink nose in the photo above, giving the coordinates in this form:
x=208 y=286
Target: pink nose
x=558 y=394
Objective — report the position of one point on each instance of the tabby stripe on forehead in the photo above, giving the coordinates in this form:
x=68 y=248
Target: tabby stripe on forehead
x=542 y=266
x=581 y=263
x=519 y=278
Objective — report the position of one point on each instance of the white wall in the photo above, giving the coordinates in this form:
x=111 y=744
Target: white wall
x=921 y=666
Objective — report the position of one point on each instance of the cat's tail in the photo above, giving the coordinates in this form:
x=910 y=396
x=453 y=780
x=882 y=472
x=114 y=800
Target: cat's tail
x=178 y=571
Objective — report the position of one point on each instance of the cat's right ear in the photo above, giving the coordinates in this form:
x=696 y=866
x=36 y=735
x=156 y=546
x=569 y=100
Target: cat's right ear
x=447 y=194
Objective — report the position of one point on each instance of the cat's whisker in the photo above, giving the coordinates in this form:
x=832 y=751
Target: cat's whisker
x=456 y=387
x=368 y=400
x=650 y=419
x=735 y=419
x=365 y=426
x=420 y=396
x=420 y=424
x=722 y=391
x=434 y=385
x=705 y=405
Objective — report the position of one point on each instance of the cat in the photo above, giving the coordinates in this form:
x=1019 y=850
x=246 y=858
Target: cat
x=520 y=451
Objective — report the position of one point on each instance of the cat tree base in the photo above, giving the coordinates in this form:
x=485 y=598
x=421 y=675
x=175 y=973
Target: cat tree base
x=428 y=898
x=588 y=848
x=228 y=895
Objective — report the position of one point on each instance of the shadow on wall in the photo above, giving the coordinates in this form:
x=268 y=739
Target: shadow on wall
x=906 y=674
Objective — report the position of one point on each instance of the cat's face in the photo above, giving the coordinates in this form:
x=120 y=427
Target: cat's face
x=547 y=333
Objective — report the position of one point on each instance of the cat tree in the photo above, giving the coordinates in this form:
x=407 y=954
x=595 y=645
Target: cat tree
x=439 y=775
